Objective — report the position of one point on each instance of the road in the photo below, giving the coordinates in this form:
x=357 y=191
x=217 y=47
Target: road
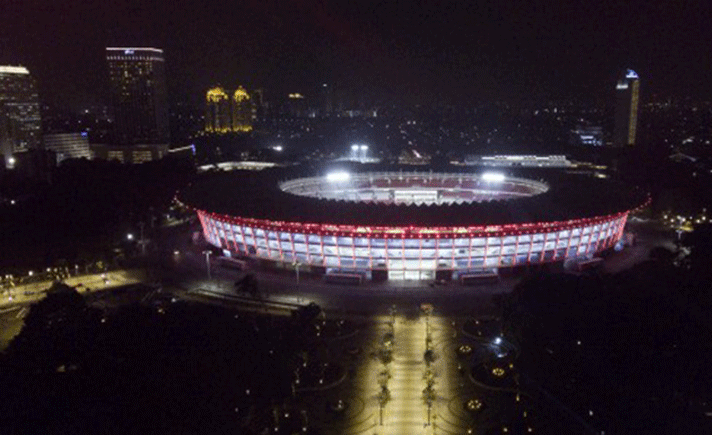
x=32 y=292
x=14 y=304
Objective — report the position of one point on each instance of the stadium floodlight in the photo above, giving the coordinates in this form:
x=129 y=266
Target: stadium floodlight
x=364 y=147
x=277 y=148
x=354 y=147
x=493 y=176
x=338 y=176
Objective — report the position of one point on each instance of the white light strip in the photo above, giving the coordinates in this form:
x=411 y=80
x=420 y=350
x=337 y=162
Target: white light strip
x=155 y=50
x=13 y=69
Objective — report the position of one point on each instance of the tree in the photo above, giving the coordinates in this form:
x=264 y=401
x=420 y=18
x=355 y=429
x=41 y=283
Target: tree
x=56 y=330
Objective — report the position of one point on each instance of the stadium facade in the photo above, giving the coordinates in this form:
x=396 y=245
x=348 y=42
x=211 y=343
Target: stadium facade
x=418 y=226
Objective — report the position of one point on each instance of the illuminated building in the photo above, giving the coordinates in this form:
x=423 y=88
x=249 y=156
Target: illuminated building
x=217 y=111
x=243 y=111
x=553 y=161
x=390 y=224
x=68 y=145
x=134 y=154
x=587 y=135
x=20 y=120
x=626 y=110
x=140 y=101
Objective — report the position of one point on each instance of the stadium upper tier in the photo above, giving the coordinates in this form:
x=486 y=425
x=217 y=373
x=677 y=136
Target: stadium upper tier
x=418 y=189
x=378 y=195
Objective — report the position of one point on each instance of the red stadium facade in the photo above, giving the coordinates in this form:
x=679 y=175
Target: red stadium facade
x=417 y=252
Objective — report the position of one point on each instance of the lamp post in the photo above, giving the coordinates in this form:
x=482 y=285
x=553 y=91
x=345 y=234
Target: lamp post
x=207 y=261
x=142 y=241
x=296 y=265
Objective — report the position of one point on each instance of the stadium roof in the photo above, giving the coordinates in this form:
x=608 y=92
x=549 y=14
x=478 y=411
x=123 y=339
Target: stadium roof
x=257 y=195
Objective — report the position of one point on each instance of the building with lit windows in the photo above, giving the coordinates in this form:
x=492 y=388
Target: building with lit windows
x=217 y=111
x=384 y=223
x=20 y=119
x=228 y=115
x=552 y=161
x=68 y=145
x=139 y=95
x=626 y=110
x=243 y=111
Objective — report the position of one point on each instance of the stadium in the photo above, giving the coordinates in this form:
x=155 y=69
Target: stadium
x=385 y=222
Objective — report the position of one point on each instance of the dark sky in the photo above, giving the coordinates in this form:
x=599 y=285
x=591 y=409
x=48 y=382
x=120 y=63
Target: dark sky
x=406 y=51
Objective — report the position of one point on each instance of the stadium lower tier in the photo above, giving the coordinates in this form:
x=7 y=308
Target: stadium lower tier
x=411 y=252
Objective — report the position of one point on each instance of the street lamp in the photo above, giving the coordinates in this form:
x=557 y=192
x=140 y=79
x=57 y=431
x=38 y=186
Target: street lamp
x=142 y=241
x=207 y=262
x=296 y=265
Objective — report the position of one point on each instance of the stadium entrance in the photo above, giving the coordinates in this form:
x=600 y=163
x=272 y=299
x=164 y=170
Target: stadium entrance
x=415 y=275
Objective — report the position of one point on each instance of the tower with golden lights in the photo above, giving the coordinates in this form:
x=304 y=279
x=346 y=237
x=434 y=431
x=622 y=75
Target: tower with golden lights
x=242 y=111
x=217 y=111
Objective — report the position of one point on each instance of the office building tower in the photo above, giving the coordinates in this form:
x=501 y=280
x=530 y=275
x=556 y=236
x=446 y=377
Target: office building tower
x=68 y=145
x=20 y=120
x=139 y=94
x=243 y=111
x=626 y=110
x=217 y=111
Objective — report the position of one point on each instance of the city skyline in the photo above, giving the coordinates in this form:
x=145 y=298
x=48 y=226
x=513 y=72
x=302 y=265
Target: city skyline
x=435 y=53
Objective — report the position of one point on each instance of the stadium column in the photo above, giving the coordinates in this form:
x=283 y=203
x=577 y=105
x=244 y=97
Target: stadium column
x=294 y=251
x=244 y=240
x=556 y=245
x=568 y=243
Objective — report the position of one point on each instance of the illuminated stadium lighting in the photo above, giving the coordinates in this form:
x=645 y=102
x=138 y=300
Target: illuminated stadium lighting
x=338 y=176
x=306 y=219
x=364 y=147
x=277 y=148
x=354 y=147
x=493 y=176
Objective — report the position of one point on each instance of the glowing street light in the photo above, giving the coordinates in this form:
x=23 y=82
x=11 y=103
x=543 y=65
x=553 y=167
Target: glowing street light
x=129 y=236
x=207 y=253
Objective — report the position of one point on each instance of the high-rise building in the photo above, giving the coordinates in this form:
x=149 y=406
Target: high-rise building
x=139 y=94
x=217 y=111
x=68 y=145
x=243 y=111
x=626 y=111
x=20 y=120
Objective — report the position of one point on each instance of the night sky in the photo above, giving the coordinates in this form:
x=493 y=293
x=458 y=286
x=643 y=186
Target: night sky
x=413 y=52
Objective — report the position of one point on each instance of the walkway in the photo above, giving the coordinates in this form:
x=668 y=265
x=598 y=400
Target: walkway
x=406 y=413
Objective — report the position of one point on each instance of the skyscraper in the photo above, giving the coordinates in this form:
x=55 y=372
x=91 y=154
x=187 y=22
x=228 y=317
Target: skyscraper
x=626 y=111
x=20 y=121
x=139 y=94
x=242 y=111
x=217 y=111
